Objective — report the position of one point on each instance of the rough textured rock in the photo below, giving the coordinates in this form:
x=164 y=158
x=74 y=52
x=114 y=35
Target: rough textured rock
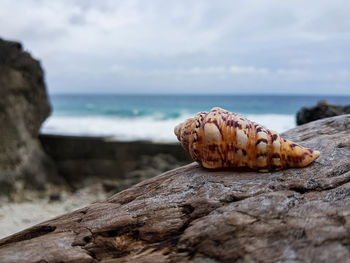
x=322 y=110
x=23 y=107
x=198 y=215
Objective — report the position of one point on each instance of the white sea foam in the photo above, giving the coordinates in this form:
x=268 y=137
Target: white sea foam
x=145 y=128
x=275 y=122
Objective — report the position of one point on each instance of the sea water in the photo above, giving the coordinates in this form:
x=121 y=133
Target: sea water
x=153 y=117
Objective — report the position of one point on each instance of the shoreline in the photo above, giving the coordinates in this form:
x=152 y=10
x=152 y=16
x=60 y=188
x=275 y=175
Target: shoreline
x=143 y=128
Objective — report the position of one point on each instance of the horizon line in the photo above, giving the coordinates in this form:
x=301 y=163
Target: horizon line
x=194 y=94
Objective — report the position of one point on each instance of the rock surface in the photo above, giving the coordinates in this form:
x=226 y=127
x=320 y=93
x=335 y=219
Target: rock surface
x=23 y=107
x=322 y=110
x=198 y=215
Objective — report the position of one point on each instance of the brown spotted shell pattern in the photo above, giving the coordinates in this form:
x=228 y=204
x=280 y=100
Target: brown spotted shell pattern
x=220 y=138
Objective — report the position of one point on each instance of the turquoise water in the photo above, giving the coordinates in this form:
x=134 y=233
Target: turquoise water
x=155 y=115
x=172 y=106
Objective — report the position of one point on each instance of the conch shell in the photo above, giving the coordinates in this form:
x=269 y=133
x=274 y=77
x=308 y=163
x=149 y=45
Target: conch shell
x=219 y=139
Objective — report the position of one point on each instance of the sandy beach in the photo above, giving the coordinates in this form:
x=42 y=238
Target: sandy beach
x=18 y=215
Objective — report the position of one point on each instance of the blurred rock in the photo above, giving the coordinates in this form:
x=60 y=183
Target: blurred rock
x=55 y=197
x=322 y=110
x=84 y=161
x=192 y=214
x=23 y=108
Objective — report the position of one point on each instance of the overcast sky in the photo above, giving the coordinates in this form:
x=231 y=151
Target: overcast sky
x=150 y=46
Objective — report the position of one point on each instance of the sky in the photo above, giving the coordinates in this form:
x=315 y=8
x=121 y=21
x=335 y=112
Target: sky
x=197 y=46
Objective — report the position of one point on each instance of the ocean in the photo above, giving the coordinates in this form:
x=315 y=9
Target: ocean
x=153 y=117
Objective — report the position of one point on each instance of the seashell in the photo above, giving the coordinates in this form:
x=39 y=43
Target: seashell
x=219 y=139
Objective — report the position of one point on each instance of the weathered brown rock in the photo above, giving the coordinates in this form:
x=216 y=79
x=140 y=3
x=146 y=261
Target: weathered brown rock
x=198 y=215
x=322 y=110
x=23 y=107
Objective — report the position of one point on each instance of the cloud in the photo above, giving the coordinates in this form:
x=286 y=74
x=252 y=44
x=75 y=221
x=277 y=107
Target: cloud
x=248 y=70
x=197 y=71
x=257 y=46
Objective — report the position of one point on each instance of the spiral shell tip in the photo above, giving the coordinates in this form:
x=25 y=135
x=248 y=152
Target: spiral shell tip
x=315 y=154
